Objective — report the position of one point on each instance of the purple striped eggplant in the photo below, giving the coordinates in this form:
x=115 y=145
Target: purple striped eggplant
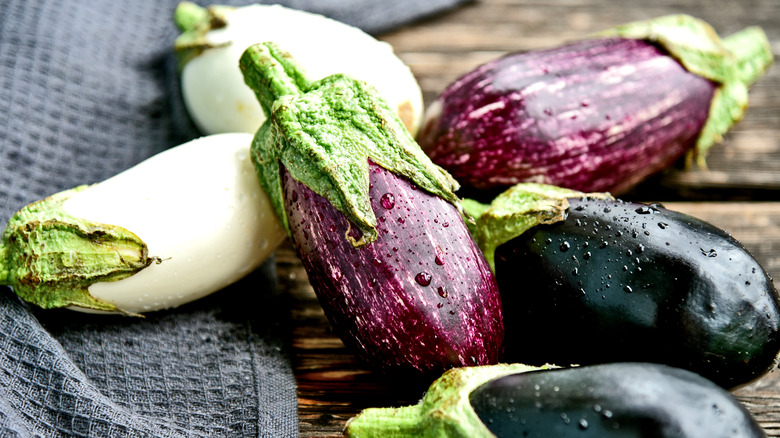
x=375 y=223
x=602 y=114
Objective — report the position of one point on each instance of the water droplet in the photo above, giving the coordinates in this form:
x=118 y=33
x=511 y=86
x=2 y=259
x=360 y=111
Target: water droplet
x=586 y=256
x=401 y=220
x=439 y=259
x=710 y=253
x=644 y=210
x=565 y=246
x=662 y=225
x=575 y=271
x=548 y=241
x=442 y=291
x=387 y=200
x=423 y=278
x=607 y=209
x=628 y=289
x=582 y=424
x=640 y=249
x=376 y=261
x=604 y=244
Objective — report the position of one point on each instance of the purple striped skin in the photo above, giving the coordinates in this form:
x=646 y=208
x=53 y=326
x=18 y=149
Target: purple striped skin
x=418 y=300
x=595 y=116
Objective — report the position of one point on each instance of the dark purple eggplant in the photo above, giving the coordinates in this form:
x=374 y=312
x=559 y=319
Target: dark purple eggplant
x=610 y=281
x=375 y=223
x=612 y=400
x=600 y=114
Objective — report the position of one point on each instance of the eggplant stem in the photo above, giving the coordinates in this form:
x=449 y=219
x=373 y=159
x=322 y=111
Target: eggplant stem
x=4 y=265
x=405 y=421
x=272 y=73
x=189 y=16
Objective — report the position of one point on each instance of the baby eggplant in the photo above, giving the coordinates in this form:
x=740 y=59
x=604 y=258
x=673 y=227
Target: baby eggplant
x=601 y=114
x=604 y=280
x=610 y=400
x=376 y=225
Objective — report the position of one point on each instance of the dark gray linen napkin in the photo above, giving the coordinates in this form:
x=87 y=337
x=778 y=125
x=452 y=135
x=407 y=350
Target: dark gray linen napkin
x=88 y=89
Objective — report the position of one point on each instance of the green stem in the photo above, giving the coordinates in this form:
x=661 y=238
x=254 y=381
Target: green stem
x=406 y=421
x=189 y=16
x=752 y=51
x=4 y=265
x=272 y=73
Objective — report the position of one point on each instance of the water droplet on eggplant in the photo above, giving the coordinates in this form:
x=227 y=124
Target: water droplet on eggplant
x=423 y=278
x=387 y=200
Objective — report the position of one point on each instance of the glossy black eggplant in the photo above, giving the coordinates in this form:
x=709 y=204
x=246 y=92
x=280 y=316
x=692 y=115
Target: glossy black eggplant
x=612 y=400
x=620 y=281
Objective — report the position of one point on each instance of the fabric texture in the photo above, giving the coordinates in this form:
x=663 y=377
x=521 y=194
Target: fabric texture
x=88 y=89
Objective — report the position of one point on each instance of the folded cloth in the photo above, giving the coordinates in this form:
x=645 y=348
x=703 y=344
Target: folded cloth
x=88 y=89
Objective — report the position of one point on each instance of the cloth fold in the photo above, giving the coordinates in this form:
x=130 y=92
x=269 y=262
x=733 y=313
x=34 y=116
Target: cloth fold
x=88 y=89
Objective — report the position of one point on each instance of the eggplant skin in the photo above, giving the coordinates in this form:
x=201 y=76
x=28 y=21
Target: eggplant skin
x=598 y=115
x=612 y=400
x=621 y=281
x=418 y=300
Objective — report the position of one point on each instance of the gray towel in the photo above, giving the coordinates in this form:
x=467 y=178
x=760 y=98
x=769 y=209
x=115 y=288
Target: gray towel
x=88 y=89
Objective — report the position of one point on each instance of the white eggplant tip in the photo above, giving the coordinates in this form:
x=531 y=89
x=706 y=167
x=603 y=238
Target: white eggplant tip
x=218 y=100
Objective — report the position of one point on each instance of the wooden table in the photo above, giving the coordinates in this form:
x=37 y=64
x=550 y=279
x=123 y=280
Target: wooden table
x=740 y=192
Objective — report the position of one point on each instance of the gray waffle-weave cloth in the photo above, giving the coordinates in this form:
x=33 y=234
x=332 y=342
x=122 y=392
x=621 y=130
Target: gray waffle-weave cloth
x=88 y=89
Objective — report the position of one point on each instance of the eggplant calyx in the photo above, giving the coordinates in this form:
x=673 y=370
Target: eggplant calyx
x=734 y=62
x=325 y=133
x=195 y=22
x=444 y=411
x=516 y=210
x=50 y=258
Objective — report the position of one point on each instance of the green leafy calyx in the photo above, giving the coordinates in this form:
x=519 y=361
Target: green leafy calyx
x=516 y=210
x=325 y=132
x=50 y=258
x=735 y=63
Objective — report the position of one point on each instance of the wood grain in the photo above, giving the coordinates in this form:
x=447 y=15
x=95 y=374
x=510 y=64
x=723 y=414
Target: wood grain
x=739 y=191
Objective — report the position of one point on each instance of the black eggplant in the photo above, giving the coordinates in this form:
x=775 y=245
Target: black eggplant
x=611 y=400
x=606 y=281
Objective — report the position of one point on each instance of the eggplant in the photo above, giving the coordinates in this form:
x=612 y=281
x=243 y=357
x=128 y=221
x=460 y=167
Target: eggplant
x=601 y=280
x=611 y=400
x=601 y=114
x=153 y=237
x=213 y=39
x=376 y=224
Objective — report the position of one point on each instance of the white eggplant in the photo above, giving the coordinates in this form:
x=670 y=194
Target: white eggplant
x=183 y=224
x=213 y=40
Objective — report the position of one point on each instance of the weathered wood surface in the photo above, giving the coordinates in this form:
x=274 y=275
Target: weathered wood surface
x=739 y=192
